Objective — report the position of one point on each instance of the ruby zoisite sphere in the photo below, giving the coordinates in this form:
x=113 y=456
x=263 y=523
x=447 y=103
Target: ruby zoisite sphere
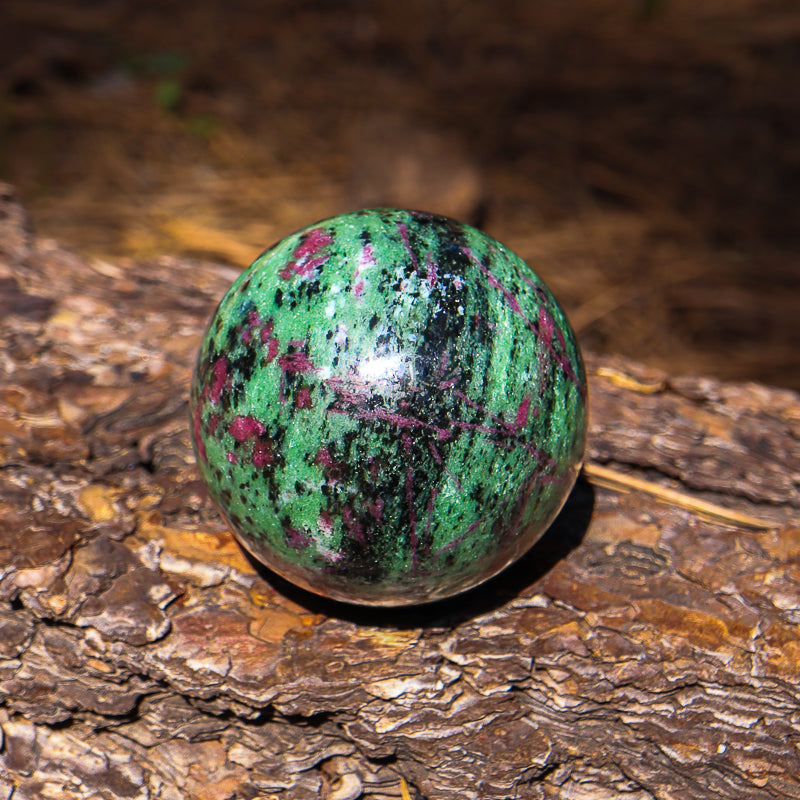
x=388 y=407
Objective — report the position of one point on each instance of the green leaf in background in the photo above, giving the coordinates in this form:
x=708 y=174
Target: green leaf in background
x=168 y=94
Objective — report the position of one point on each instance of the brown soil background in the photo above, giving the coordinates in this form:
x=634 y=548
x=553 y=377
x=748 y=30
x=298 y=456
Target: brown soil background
x=642 y=155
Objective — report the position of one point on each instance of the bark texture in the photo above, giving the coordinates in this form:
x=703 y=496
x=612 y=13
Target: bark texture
x=639 y=651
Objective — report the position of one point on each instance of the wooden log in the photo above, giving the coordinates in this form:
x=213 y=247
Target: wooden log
x=647 y=647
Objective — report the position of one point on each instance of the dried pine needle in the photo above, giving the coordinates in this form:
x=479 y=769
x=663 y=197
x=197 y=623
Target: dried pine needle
x=190 y=234
x=612 y=479
x=626 y=381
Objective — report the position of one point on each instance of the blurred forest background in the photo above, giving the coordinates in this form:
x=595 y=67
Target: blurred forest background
x=642 y=155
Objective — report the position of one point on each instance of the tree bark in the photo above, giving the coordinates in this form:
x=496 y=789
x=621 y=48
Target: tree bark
x=643 y=649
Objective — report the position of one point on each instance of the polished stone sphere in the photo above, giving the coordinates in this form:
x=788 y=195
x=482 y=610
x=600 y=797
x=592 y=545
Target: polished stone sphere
x=388 y=407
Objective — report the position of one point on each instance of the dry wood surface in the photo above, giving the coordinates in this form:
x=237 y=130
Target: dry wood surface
x=643 y=649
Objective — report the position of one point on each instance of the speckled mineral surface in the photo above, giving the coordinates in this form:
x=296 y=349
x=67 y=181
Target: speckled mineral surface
x=388 y=407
